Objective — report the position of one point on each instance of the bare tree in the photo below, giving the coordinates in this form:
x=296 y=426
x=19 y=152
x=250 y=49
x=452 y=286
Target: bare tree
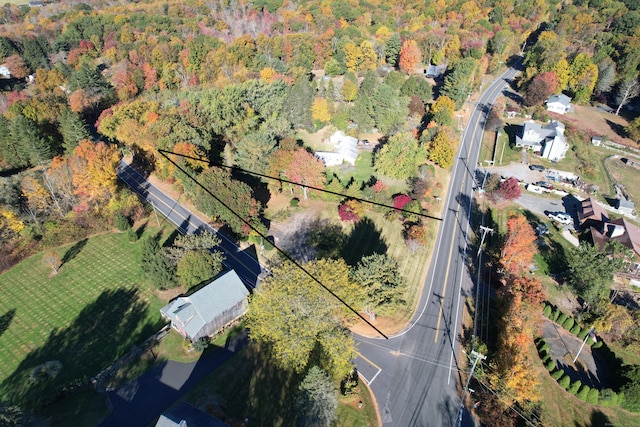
x=53 y=260
x=628 y=90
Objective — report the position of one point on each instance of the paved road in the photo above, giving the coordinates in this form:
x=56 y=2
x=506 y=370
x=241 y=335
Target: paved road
x=414 y=375
x=243 y=263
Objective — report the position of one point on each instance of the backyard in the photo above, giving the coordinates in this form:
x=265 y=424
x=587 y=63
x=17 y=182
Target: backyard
x=85 y=316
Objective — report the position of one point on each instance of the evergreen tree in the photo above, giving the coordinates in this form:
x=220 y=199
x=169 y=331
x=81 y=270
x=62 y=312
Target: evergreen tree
x=156 y=265
x=30 y=143
x=73 y=130
x=392 y=51
x=458 y=83
x=252 y=152
x=297 y=106
x=35 y=52
x=9 y=151
x=317 y=399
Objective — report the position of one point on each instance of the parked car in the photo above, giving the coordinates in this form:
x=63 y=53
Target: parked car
x=534 y=189
x=561 y=217
x=544 y=184
x=538 y=168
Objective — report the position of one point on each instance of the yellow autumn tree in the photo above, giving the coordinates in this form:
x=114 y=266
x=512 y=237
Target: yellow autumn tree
x=352 y=56
x=369 y=58
x=267 y=74
x=93 y=167
x=320 y=110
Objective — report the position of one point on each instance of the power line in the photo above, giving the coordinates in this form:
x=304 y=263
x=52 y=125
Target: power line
x=282 y=180
x=283 y=253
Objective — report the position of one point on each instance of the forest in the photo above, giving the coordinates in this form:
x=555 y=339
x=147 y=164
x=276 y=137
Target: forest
x=233 y=82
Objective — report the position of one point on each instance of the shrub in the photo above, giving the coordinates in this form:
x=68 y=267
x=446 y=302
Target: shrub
x=576 y=329
x=561 y=319
x=539 y=341
x=350 y=211
x=544 y=349
x=608 y=397
x=132 y=234
x=575 y=386
x=564 y=381
x=568 y=323
x=583 y=332
x=545 y=358
x=556 y=314
x=547 y=311
x=583 y=393
x=294 y=202
x=550 y=365
x=593 y=396
x=201 y=344
x=122 y=222
x=596 y=345
x=557 y=374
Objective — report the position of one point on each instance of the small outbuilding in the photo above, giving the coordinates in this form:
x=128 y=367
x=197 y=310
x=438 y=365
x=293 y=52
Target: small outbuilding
x=210 y=309
x=597 y=140
x=624 y=206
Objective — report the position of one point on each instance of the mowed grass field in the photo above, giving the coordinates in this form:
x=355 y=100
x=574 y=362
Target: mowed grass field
x=87 y=315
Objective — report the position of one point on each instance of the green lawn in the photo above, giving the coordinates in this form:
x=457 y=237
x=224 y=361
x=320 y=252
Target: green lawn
x=627 y=176
x=86 y=316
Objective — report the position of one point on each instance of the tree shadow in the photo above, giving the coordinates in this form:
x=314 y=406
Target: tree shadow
x=5 y=320
x=104 y=330
x=511 y=131
x=365 y=239
x=140 y=230
x=598 y=419
x=73 y=251
x=618 y=129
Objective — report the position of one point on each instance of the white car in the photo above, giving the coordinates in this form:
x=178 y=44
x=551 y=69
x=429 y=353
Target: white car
x=561 y=217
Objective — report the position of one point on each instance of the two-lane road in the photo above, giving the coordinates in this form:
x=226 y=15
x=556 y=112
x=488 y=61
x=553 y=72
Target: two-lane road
x=415 y=374
x=244 y=264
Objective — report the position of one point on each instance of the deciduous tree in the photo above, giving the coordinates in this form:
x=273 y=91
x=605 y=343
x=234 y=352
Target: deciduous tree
x=519 y=248
x=410 y=56
x=296 y=317
x=196 y=266
x=400 y=157
x=93 y=165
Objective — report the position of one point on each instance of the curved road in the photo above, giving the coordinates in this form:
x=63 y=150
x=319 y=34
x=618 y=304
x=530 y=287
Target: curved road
x=242 y=262
x=415 y=374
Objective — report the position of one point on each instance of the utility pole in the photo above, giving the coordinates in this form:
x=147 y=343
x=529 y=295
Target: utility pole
x=477 y=357
x=485 y=230
x=155 y=212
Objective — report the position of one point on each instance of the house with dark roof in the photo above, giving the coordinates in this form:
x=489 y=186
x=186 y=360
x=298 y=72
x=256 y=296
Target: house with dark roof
x=185 y=415
x=560 y=104
x=210 y=309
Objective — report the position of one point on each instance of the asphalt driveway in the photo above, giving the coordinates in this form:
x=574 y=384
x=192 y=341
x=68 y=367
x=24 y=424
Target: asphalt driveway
x=142 y=401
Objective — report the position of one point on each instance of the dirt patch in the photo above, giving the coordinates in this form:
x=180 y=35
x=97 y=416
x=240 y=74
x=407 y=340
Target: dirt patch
x=169 y=294
x=564 y=346
x=388 y=325
x=598 y=123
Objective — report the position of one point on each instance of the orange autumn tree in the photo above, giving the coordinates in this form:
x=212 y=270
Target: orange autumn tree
x=519 y=248
x=410 y=56
x=93 y=166
x=521 y=308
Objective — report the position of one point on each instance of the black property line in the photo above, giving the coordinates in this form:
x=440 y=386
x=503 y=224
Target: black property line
x=281 y=180
x=287 y=256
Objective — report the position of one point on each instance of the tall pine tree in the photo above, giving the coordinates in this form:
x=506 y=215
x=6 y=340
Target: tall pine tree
x=73 y=130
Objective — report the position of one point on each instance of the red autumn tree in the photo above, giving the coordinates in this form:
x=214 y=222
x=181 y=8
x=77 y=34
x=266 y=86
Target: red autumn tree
x=17 y=67
x=400 y=201
x=305 y=169
x=350 y=211
x=510 y=189
x=410 y=56
x=540 y=88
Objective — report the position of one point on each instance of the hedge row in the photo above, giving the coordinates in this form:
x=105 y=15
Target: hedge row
x=568 y=323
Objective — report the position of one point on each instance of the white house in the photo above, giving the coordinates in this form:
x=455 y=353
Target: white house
x=345 y=149
x=549 y=140
x=4 y=72
x=559 y=104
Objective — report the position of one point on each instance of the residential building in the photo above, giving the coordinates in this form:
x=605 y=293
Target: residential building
x=210 y=309
x=548 y=141
x=345 y=149
x=625 y=206
x=185 y=415
x=4 y=72
x=560 y=104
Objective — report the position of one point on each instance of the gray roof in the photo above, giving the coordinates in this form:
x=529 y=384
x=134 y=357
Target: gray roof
x=204 y=306
x=192 y=417
x=562 y=99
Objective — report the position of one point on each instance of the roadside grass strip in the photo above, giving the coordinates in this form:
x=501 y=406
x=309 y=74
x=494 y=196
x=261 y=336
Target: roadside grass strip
x=87 y=315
